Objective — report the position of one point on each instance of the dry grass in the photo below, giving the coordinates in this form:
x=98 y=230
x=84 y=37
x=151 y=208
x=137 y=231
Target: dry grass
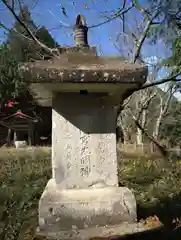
x=24 y=174
x=151 y=177
x=156 y=183
x=139 y=150
x=136 y=149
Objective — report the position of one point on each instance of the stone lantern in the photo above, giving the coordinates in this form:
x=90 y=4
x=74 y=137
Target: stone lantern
x=84 y=91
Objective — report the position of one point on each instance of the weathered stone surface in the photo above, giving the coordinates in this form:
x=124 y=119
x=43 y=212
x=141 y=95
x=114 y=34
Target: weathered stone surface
x=83 y=142
x=84 y=208
x=81 y=68
x=76 y=69
x=83 y=191
x=117 y=232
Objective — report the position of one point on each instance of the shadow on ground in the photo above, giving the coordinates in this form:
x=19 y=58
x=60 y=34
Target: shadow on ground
x=168 y=210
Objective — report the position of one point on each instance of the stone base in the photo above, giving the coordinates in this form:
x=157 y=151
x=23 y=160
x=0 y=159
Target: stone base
x=71 y=209
x=123 y=231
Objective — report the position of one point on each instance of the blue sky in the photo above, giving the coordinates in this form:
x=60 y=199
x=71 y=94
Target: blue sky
x=48 y=13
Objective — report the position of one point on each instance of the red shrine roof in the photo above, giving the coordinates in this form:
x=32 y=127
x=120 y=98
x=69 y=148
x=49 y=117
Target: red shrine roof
x=18 y=120
x=20 y=114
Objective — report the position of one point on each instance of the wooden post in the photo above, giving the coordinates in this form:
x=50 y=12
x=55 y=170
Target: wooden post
x=9 y=137
x=30 y=135
x=33 y=134
x=15 y=137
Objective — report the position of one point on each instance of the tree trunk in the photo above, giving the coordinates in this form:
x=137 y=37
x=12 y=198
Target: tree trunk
x=122 y=134
x=9 y=137
x=156 y=132
x=139 y=134
x=151 y=138
x=139 y=137
x=157 y=127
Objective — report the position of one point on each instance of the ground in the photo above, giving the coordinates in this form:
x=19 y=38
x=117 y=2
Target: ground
x=24 y=174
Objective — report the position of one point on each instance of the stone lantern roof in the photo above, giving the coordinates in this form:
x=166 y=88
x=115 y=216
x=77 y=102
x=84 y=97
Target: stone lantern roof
x=77 y=67
x=80 y=65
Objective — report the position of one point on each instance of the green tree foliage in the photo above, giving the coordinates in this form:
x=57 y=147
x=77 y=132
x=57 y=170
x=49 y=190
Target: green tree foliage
x=168 y=21
x=44 y=36
x=19 y=48
x=10 y=81
x=171 y=126
x=24 y=48
x=18 y=38
x=175 y=60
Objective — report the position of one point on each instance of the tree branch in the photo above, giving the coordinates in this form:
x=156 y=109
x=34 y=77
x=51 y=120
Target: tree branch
x=146 y=104
x=150 y=17
x=164 y=80
x=151 y=138
x=145 y=86
x=61 y=23
x=123 y=17
x=116 y=15
x=141 y=40
x=33 y=37
x=167 y=102
x=13 y=4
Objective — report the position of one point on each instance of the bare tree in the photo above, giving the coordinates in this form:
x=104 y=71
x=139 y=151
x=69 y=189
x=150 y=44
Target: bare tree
x=164 y=101
x=134 y=40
